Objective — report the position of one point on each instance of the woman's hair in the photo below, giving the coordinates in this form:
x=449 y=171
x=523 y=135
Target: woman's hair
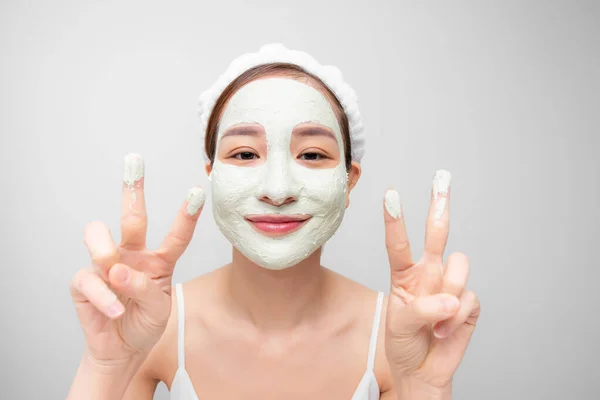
x=261 y=71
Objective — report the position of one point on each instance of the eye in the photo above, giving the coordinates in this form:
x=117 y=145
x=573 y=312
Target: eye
x=245 y=155
x=311 y=156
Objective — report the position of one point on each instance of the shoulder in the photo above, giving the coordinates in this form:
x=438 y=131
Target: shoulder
x=162 y=361
x=364 y=301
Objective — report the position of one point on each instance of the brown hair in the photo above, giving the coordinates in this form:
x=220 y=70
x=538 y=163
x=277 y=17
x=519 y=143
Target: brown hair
x=261 y=71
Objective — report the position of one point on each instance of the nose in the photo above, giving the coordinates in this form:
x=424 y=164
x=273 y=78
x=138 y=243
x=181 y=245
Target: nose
x=278 y=185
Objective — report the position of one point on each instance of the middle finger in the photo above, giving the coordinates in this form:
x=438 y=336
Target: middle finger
x=134 y=221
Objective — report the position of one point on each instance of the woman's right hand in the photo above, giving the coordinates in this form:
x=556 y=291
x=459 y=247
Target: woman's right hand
x=123 y=298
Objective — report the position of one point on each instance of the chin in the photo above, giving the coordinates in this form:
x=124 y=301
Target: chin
x=279 y=263
x=278 y=253
x=276 y=259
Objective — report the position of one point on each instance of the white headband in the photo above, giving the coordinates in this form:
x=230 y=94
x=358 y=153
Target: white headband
x=277 y=53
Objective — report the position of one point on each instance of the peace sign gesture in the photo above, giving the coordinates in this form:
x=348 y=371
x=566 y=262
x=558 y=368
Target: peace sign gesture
x=123 y=298
x=430 y=315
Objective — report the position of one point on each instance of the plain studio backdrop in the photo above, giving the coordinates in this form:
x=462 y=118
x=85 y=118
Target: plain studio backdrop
x=503 y=94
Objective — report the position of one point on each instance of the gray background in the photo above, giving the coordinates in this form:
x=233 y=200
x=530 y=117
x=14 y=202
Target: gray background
x=503 y=94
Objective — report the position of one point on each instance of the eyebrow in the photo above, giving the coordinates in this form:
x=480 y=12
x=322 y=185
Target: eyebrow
x=314 y=131
x=242 y=131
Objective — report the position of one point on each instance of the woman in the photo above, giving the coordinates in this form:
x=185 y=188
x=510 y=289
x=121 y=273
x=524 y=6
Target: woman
x=283 y=146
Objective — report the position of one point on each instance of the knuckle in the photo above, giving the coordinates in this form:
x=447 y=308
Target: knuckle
x=476 y=302
x=84 y=285
x=93 y=226
x=177 y=239
x=398 y=247
x=440 y=225
x=458 y=257
x=472 y=301
x=454 y=284
x=470 y=296
x=105 y=257
x=134 y=220
x=77 y=278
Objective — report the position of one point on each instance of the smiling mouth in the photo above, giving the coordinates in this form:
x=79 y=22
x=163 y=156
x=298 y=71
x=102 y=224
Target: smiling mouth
x=277 y=225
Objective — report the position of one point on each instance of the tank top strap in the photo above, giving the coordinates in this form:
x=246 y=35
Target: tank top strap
x=180 y=326
x=375 y=332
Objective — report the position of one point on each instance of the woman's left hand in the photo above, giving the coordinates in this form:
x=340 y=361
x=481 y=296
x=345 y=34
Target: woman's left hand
x=430 y=314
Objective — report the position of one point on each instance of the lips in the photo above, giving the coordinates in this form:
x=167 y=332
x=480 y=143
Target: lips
x=277 y=224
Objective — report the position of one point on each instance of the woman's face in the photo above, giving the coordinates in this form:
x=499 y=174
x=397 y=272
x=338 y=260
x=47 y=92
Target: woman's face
x=279 y=180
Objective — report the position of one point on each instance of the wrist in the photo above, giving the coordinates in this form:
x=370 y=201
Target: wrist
x=413 y=389
x=111 y=367
x=100 y=380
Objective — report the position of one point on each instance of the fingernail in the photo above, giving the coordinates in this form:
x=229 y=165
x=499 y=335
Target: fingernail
x=116 y=309
x=440 y=331
x=441 y=184
x=392 y=204
x=449 y=304
x=134 y=169
x=195 y=200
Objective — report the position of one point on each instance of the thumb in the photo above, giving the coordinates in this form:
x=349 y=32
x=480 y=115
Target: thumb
x=137 y=286
x=427 y=310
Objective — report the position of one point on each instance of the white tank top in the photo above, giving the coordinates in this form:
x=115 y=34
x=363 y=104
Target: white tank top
x=183 y=389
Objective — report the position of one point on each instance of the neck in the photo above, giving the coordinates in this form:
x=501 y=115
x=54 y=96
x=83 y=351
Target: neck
x=276 y=299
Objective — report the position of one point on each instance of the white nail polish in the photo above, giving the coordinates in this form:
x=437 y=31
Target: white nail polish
x=133 y=172
x=134 y=169
x=392 y=204
x=441 y=184
x=195 y=200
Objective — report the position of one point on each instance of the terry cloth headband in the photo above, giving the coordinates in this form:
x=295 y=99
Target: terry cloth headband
x=277 y=53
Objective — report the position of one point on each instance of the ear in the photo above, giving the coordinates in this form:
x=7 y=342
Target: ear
x=208 y=168
x=353 y=176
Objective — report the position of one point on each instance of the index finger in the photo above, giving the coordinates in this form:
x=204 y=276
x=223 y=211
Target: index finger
x=396 y=238
x=182 y=230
